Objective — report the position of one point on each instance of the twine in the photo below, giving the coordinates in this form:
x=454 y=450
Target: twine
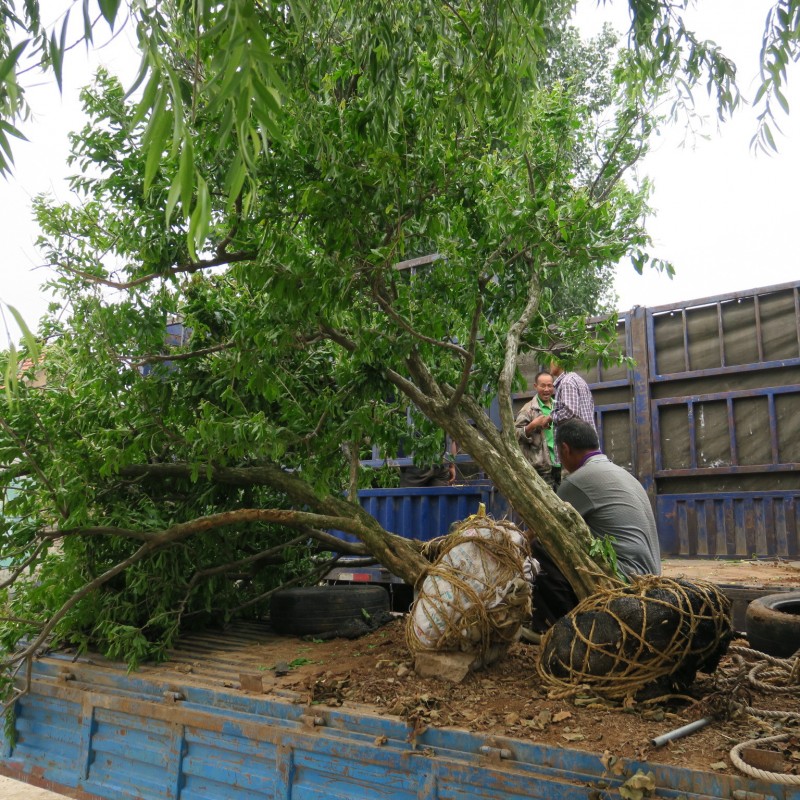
x=632 y=662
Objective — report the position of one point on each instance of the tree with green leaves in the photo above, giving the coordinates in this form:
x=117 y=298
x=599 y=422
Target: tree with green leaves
x=665 y=55
x=282 y=167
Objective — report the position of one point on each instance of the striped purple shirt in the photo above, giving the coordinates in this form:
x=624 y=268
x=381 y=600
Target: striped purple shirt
x=573 y=399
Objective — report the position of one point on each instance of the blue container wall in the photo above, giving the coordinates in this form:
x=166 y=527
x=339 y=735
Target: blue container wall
x=426 y=512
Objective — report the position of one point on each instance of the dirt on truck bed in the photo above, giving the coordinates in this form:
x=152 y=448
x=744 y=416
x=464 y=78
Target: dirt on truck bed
x=745 y=573
x=507 y=699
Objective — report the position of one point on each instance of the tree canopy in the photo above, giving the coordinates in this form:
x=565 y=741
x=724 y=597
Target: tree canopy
x=283 y=168
x=665 y=55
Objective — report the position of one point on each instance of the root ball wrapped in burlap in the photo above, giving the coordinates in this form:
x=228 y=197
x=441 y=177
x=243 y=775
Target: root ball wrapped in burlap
x=474 y=598
x=643 y=640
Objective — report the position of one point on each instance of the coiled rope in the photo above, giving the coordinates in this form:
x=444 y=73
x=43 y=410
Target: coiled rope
x=770 y=675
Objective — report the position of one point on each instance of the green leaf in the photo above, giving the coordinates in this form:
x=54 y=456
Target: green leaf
x=155 y=137
x=177 y=109
x=200 y=219
x=148 y=101
x=87 y=21
x=172 y=198
x=8 y=64
x=11 y=374
x=62 y=47
x=30 y=340
x=784 y=103
x=186 y=173
x=5 y=146
x=234 y=180
x=109 y=9
x=768 y=136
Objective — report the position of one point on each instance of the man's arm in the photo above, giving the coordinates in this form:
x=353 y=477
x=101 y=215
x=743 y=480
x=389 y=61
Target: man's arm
x=530 y=423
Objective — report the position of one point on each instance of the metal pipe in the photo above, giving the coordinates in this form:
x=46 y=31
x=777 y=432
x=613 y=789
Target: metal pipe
x=679 y=733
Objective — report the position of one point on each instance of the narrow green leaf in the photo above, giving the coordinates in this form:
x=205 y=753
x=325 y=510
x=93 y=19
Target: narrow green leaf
x=109 y=8
x=154 y=139
x=768 y=137
x=6 y=147
x=57 y=51
x=29 y=338
x=12 y=131
x=144 y=68
x=11 y=374
x=148 y=101
x=186 y=174
x=57 y=58
x=268 y=96
x=10 y=61
x=200 y=219
x=172 y=198
x=177 y=107
x=784 y=103
x=87 y=22
x=234 y=180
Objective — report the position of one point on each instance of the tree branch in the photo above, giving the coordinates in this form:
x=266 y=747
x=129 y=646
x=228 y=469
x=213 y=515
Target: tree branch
x=310 y=577
x=17 y=571
x=510 y=361
x=621 y=139
x=100 y=530
x=394 y=552
x=36 y=468
x=470 y=359
x=384 y=303
x=221 y=568
x=181 y=356
x=228 y=258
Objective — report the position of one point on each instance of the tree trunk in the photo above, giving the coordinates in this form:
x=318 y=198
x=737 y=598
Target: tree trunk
x=558 y=527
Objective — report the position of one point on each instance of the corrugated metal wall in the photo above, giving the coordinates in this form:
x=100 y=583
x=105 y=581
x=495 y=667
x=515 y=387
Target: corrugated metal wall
x=709 y=420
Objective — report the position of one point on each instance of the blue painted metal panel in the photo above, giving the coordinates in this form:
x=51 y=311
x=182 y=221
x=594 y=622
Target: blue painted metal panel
x=730 y=524
x=425 y=512
x=225 y=745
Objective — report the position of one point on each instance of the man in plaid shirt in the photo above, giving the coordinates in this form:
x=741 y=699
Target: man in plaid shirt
x=573 y=397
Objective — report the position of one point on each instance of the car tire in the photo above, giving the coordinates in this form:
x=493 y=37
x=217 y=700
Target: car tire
x=312 y=610
x=772 y=624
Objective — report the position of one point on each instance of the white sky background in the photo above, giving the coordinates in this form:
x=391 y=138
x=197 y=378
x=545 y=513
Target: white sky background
x=727 y=218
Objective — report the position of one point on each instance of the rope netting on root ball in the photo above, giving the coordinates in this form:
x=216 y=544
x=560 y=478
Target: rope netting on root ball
x=638 y=641
x=474 y=597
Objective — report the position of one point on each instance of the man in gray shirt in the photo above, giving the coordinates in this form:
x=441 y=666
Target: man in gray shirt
x=612 y=502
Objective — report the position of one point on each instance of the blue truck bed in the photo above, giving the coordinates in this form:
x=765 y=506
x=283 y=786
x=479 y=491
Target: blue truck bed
x=90 y=729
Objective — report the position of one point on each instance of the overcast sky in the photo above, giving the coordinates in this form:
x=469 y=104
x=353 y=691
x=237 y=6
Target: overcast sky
x=727 y=218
